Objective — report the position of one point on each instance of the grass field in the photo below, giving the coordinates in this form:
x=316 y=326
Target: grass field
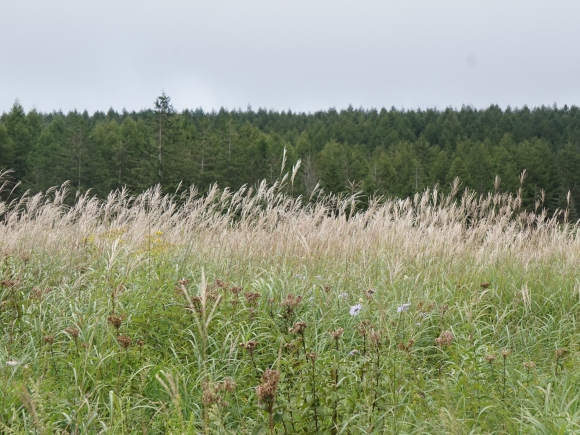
x=252 y=312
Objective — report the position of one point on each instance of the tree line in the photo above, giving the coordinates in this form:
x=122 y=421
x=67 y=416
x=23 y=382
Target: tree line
x=379 y=152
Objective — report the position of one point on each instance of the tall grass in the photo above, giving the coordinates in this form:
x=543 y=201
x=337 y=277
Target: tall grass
x=220 y=313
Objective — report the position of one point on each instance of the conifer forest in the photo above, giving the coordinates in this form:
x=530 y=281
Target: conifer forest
x=387 y=152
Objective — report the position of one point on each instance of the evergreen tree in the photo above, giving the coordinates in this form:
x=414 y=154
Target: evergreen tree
x=163 y=111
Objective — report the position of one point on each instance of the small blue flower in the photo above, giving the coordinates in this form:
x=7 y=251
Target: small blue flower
x=343 y=295
x=355 y=309
x=404 y=307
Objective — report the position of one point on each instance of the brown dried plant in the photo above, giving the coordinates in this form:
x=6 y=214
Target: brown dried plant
x=266 y=393
x=252 y=298
x=445 y=339
x=124 y=341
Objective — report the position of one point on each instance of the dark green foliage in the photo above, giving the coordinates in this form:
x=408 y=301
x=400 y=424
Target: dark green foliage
x=387 y=152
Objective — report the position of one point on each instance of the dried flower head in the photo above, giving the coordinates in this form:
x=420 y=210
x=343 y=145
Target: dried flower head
x=406 y=347
x=337 y=334
x=560 y=353
x=443 y=309
x=298 y=328
x=124 y=341
x=529 y=365
x=73 y=332
x=38 y=293
x=250 y=346
x=195 y=305
x=490 y=358
x=484 y=284
x=140 y=343
x=505 y=353
x=115 y=321
x=210 y=395
x=364 y=327
x=312 y=356
x=236 y=290
x=266 y=391
x=290 y=302
x=220 y=283
x=11 y=284
x=376 y=338
x=293 y=346
x=252 y=298
x=227 y=385
x=445 y=339
x=49 y=339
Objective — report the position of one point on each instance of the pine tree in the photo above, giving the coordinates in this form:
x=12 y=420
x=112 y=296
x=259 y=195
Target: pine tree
x=164 y=111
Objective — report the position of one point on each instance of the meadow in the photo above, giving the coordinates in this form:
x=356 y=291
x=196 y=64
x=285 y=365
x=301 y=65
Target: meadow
x=254 y=312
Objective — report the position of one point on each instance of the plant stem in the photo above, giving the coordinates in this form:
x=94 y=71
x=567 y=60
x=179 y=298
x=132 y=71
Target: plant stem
x=314 y=399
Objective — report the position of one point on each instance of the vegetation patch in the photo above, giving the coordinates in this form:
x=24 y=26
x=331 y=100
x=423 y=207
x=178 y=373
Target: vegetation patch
x=257 y=312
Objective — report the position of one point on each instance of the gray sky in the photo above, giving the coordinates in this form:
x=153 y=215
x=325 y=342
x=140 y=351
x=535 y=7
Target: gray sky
x=303 y=55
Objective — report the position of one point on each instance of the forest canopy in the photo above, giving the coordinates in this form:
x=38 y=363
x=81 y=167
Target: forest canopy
x=391 y=152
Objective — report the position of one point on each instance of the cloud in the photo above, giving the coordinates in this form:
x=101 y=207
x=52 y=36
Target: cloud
x=299 y=54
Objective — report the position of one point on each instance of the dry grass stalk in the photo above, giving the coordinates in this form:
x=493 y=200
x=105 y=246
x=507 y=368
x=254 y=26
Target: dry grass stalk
x=265 y=224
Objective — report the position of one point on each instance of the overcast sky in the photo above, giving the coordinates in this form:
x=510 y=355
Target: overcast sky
x=304 y=55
